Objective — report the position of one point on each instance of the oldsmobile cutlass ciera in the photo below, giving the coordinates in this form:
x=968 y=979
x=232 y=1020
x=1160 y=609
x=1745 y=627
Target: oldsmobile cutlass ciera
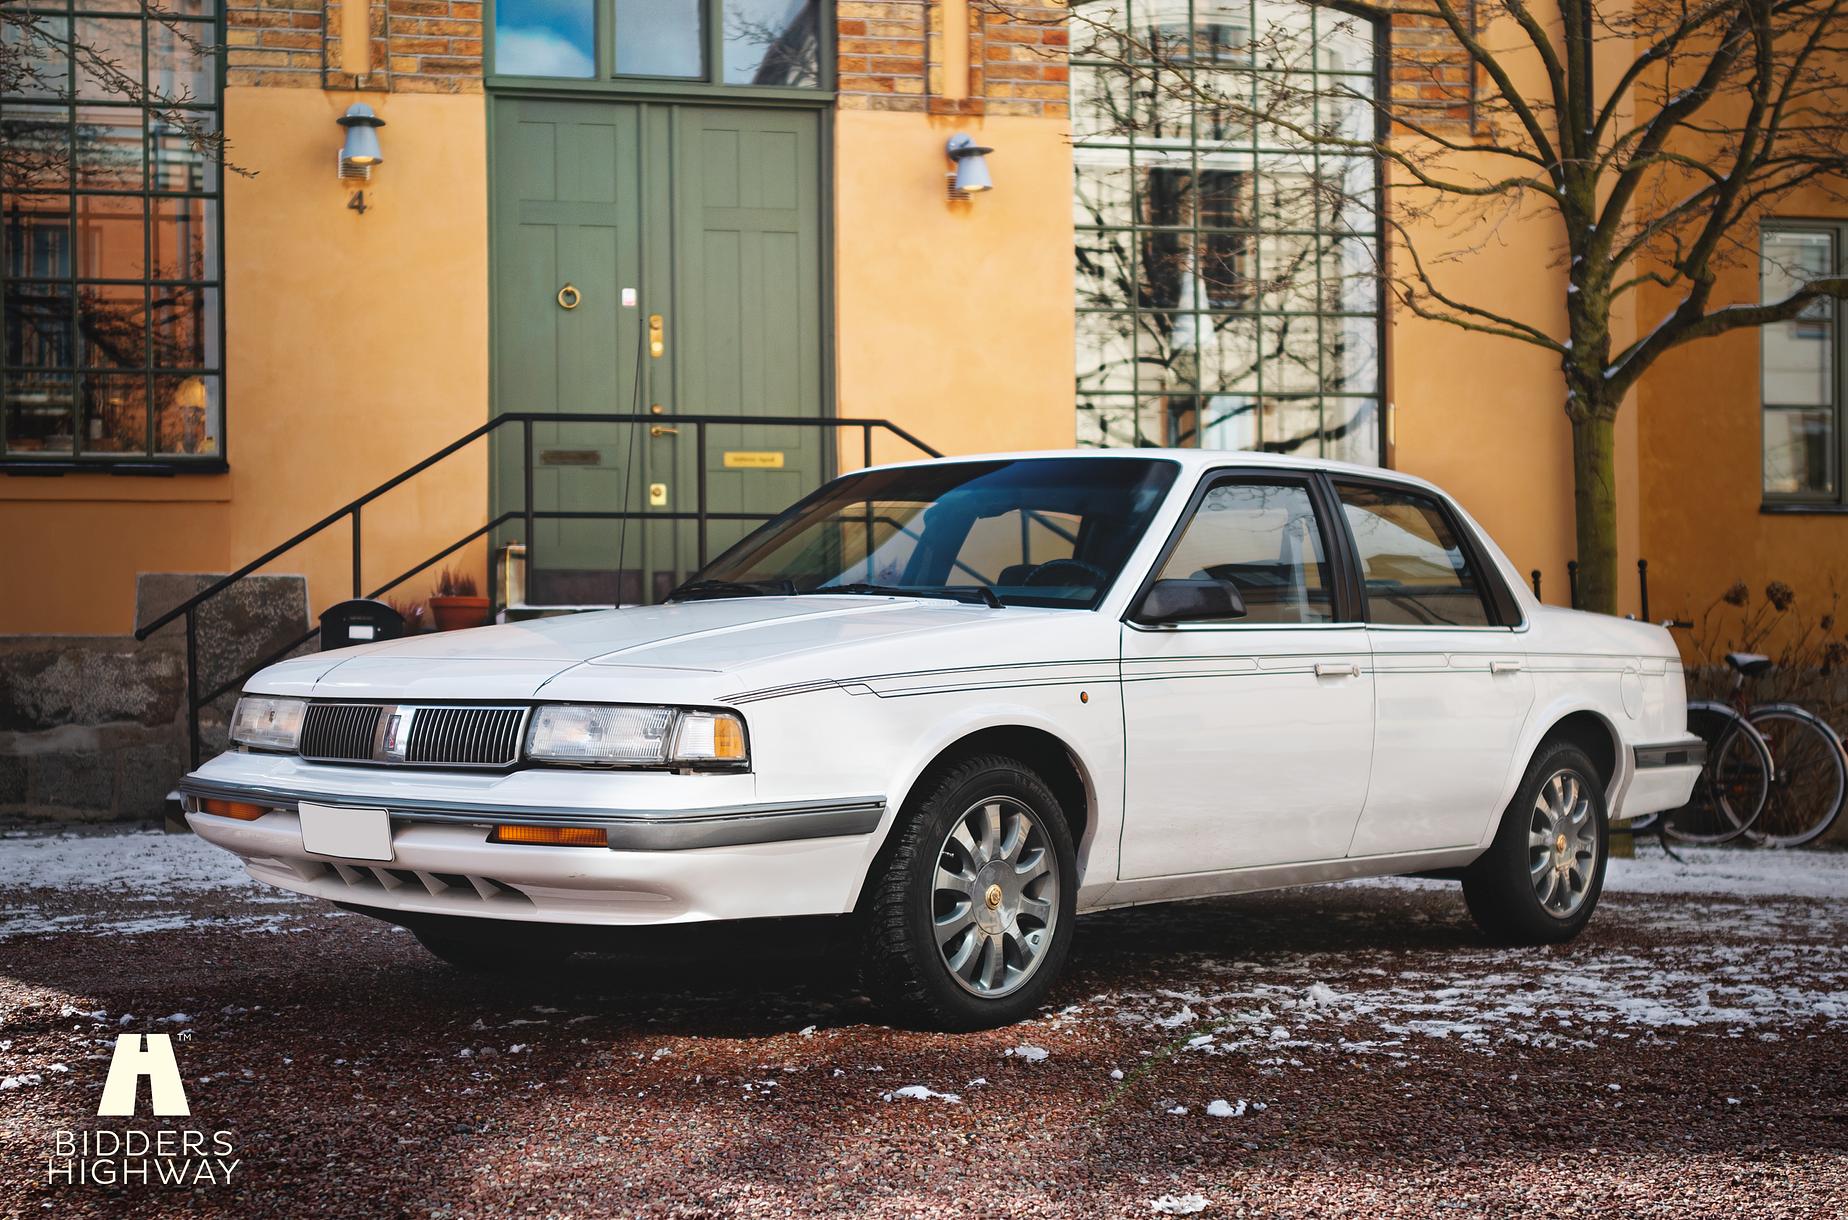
x=964 y=701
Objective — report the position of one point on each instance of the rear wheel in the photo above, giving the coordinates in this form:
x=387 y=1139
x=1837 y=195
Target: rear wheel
x=969 y=922
x=1811 y=785
x=1734 y=783
x=1540 y=879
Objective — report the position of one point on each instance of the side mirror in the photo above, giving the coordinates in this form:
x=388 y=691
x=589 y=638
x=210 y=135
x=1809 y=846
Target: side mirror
x=1189 y=601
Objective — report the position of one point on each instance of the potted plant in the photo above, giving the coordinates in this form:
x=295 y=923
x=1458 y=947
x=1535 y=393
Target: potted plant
x=454 y=604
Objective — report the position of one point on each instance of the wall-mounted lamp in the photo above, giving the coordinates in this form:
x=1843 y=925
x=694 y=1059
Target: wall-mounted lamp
x=360 y=151
x=971 y=160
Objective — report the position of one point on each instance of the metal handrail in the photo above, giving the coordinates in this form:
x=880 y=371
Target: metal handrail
x=528 y=512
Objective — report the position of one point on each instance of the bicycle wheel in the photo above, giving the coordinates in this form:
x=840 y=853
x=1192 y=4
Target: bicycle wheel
x=1811 y=782
x=1734 y=785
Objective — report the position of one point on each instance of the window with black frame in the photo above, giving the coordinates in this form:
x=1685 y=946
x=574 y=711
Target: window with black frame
x=109 y=217
x=1801 y=373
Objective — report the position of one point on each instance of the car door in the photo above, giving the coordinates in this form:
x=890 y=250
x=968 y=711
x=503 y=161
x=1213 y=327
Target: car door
x=1451 y=692
x=1248 y=740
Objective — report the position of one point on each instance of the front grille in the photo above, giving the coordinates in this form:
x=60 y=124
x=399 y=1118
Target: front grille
x=465 y=736
x=340 y=731
x=432 y=736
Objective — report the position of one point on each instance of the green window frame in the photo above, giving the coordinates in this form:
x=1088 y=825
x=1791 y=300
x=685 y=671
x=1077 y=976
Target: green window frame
x=576 y=42
x=111 y=240
x=1222 y=299
x=1803 y=370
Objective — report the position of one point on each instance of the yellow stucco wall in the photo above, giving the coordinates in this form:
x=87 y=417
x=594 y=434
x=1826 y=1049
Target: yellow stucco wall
x=354 y=346
x=954 y=320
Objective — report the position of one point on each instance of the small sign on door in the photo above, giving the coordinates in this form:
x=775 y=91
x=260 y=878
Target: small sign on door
x=753 y=459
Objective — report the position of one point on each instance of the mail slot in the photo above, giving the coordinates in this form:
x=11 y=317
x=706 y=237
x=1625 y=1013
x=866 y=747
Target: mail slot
x=570 y=457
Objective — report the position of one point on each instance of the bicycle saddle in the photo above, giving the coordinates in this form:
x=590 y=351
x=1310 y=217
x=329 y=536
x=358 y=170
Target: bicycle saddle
x=1751 y=664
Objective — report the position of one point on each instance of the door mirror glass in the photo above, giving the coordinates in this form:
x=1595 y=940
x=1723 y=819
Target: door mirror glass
x=1190 y=601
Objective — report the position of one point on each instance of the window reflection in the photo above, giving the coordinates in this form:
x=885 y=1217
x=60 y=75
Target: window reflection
x=659 y=38
x=555 y=38
x=772 y=42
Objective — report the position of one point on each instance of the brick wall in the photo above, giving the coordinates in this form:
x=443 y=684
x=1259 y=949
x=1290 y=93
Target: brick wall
x=417 y=46
x=893 y=55
x=1431 y=80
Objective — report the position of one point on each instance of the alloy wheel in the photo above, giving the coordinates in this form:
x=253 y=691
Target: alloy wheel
x=995 y=897
x=1562 y=844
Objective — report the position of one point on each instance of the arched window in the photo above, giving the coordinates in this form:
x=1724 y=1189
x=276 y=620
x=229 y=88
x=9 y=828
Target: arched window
x=1227 y=246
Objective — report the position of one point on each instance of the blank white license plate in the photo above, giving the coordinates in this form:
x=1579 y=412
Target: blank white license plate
x=353 y=834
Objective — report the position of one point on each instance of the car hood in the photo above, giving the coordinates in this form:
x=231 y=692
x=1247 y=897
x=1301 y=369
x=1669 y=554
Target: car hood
x=635 y=653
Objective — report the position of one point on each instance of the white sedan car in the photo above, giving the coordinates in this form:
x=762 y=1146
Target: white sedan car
x=964 y=701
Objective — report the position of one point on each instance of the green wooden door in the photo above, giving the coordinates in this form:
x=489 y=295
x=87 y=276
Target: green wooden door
x=686 y=243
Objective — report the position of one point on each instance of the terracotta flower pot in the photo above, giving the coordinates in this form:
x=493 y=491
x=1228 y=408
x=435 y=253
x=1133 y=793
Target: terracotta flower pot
x=455 y=613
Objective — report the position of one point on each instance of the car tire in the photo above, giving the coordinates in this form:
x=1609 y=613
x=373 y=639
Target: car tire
x=497 y=956
x=1539 y=881
x=958 y=933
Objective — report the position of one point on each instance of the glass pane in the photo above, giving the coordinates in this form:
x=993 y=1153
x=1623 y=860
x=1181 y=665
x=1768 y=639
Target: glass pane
x=113 y=321
x=37 y=236
x=1261 y=538
x=660 y=38
x=109 y=148
x=38 y=410
x=111 y=237
x=181 y=155
x=185 y=321
x=772 y=42
x=108 y=58
x=1353 y=430
x=1106 y=347
x=183 y=249
x=181 y=70
x=185 y=415
x=1799 y=451
x=38 y=147
x=545 y=38
x=38 y=326
x=1797 y=356
x=1413 y=566
x=115 y=413
x=37 y=55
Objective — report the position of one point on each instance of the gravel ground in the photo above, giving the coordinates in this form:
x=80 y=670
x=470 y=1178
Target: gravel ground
x=1353 y=1050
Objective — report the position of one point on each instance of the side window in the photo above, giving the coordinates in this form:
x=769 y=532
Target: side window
x=1262 y=537
x=1413 y=565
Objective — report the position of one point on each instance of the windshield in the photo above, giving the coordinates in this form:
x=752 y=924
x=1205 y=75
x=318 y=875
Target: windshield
x=1028 y=532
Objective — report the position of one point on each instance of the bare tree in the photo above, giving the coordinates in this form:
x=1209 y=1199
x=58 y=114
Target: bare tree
x=1648 y=138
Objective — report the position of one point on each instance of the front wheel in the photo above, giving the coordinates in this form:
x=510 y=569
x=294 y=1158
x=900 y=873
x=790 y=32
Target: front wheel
x=1539 y=881
x=969 y=921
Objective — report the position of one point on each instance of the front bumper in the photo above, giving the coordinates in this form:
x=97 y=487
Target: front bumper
x=666 y=862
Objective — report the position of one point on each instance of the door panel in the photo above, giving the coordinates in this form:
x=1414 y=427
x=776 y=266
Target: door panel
x=1247 y=743
x=711 y=217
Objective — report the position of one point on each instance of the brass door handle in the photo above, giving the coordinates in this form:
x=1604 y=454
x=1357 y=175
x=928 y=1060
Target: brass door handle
x=662 y=430
x=569 y=297
x=657 y=342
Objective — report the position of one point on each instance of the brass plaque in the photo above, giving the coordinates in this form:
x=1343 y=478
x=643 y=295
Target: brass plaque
x=753 y=459
x=569 y=457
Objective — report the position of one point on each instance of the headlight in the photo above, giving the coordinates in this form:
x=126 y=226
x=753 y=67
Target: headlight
x=267 y=723
x=596 y=735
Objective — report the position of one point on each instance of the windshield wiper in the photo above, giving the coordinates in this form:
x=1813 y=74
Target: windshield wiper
x=694 y=589
x=969 y=594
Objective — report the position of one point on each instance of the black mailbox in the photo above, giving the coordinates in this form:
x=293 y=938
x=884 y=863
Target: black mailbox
x=360 y=621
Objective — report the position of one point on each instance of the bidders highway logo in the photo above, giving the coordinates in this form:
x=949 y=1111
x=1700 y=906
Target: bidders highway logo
x=165 y=1157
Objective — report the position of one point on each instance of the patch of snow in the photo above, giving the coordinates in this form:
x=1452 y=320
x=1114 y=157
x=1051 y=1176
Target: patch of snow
x=1178 y=1205
x=150 y=862
x=919 y=1092
x=1220 y=1108
x=1031 y=1054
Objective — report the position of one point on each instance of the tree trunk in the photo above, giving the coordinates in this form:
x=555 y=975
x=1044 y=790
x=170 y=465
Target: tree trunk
x=1594 y=501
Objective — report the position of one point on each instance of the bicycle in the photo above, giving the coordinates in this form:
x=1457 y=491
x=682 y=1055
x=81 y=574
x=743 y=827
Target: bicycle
x=1776 y=773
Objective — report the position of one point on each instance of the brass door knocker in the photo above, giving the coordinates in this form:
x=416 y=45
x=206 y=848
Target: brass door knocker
x=569 y=297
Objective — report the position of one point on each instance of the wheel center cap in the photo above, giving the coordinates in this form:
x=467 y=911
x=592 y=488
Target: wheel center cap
x=993 y=897
x=1559 y=845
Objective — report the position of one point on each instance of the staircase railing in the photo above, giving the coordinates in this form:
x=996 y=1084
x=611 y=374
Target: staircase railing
x=528 y=513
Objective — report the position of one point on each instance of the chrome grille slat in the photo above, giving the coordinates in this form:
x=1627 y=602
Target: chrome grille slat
x=439 y=735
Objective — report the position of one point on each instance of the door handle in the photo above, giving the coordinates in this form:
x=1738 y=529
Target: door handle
x=1504 y=667
x=657 y=335
x=1327 y=669
x=662 y=430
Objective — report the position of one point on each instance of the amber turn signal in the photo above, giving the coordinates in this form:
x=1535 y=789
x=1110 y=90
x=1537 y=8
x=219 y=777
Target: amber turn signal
x=551 y=836
x=234 y=809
